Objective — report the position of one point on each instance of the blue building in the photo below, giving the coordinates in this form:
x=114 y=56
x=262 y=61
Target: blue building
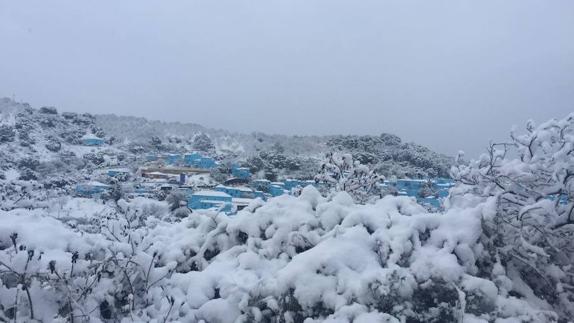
x=276 y=189
x=291 y=183
x=198 y=161
x=206 y=163
x=239 y=192
x=190 y=159
x=442 y=186
x=91 y=140
x=434 y=191
x=172 y=159
x=204 y=200
x=241 y=172
x=92 y=189
x=409 y=187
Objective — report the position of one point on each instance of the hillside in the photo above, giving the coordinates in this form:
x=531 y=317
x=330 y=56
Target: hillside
x=392 y=156
x=49 y=137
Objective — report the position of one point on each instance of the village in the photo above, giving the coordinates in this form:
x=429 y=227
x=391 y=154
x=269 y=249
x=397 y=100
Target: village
x=159 y=175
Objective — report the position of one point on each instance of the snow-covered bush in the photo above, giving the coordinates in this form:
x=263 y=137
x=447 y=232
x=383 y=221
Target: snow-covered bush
x=292 y=259
x=202 y=142
x=49 y=270
x=7 y=133
x=48 y=110
x=53 y=144
x=529 y=184
x=339 y=172
x=94 y=158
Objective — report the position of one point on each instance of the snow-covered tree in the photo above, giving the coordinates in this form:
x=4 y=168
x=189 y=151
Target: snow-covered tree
x=529 y=181
x=202 y=142
x=339 y=172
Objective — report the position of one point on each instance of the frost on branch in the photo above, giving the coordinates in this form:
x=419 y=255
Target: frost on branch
x=339 y=172
x=529 y=184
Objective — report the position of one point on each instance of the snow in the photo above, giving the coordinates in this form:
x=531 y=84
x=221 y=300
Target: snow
x=90 y=136
x=96 y=184
x=242 y=201
x=120 y=170
x=311 y=258
x=320 y=253
x=211 y=193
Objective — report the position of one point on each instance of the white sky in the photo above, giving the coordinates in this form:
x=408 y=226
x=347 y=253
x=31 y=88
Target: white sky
x=447 y=74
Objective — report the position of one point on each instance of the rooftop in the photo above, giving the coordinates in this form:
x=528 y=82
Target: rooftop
x=211 y=193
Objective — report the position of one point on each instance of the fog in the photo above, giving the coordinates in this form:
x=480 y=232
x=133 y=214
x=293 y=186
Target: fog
x=447 y=74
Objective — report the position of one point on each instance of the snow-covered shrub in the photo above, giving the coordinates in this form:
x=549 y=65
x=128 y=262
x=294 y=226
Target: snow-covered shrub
x=50 y=271
x=27 y=174
x=94 y=158
x=202 y=142
x=48 y=110
x=529 y=185
x=292 y=259
x=175 y=199
x=7 y=133
x=53 y=144
x=339 y=172
x=29 y=162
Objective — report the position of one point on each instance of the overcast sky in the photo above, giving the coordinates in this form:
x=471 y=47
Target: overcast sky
x=447 y=74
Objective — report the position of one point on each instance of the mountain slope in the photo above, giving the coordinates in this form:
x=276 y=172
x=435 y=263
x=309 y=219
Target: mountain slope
x=387 y=151
x=42 y=142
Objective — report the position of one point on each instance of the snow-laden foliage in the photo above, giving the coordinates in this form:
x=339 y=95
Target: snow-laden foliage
x=530 y=182
x=340 y=173
x=292 y=259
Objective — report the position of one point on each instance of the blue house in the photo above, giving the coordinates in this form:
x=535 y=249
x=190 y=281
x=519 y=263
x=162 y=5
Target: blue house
x=91 y=140
x=277 y=189
x=172 y=159
x=206 y=163
x=91 y=189
x=442 y=186
x=241 y=172
x=411 y=187
x=291 y=183
x=190 y=159
x=204 y=200
x=239 y=192
x=197 y=160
